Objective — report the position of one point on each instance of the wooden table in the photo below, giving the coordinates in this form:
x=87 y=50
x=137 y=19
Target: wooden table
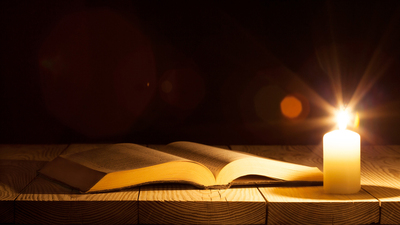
x=28 y=198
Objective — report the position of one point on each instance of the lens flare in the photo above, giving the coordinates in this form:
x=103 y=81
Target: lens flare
x=356 y=120
x=97 y=73
x=182 y=88
x=291 y=107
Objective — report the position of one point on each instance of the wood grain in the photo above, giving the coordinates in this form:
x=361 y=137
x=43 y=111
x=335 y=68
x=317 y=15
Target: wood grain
x=31 y=152
x=18 y=166
x=380 y=177
x=380 y=172
x=183 y=204
x=34 y=199
x=47 y=202
x=309 y=205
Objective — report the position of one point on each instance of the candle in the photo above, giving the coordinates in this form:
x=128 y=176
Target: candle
x=341 y=159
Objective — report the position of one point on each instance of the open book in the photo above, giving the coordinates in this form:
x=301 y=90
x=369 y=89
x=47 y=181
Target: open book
x=125 y=165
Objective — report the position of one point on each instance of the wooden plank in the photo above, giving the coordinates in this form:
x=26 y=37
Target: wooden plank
x=18 y=166
x=380 y=174
x=380 y=177
x=44 y=201
x=47 y=202
x=183 y=204
x=309 y=205
x=30 y=152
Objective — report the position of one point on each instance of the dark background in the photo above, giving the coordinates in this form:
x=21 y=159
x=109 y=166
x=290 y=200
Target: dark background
x=203 y=71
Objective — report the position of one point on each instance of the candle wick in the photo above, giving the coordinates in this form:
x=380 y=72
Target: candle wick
x=342 y=126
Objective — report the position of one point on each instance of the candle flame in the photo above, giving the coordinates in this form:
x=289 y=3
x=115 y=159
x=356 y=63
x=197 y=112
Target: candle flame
x=342 y=119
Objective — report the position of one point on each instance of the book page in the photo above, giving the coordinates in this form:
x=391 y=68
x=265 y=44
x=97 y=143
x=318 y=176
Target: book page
x=212 y=157
x=120 y=157
x=227 y=165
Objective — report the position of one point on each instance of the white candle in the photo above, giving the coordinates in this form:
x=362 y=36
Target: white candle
x=341 y=159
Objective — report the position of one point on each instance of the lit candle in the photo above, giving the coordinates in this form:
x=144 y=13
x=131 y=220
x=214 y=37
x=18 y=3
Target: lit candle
x=341 y=159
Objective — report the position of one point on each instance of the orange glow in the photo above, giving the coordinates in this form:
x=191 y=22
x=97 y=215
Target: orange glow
x=356 y=120
x=291 y=107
